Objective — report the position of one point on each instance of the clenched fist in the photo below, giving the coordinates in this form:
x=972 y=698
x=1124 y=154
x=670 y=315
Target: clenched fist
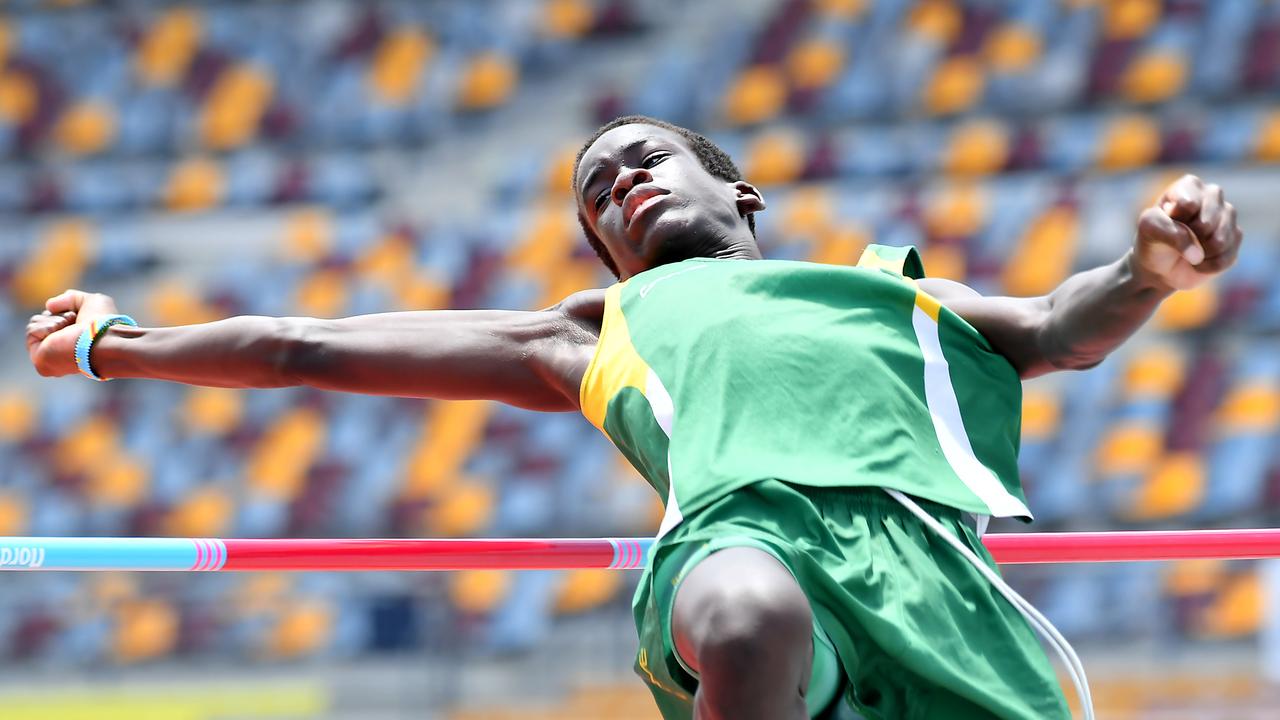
x=1189 y=236
x=52 y=335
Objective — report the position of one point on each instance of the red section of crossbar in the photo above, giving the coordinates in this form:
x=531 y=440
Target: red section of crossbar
x=405 y=554
x=1133 y=546
x=559 y=554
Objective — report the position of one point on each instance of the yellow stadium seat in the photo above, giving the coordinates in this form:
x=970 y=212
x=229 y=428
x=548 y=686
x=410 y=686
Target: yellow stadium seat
x=550 y=238
x=1267 y=148
x=809 y=212
x=262 y=594
x=571 y=277
x=1041 y=413
x=756 y=95
x=479 y=591
x=958 y=210
x=1129 y=142
x=234 y=107
x=938 y=20
x=19 y=97
x=1012 y=48
x=841 y=245
x=582 y=590
x=957 y=84
x=18 y=416
x=6 y=40
x=1252 y=407
x=945 y=260
x=1188 y=578
x=196 y=184
x=1129 y=19
x=398 y=65
x=487 y=82
x=215 y=411
x=78 y=451
x=168 y=46
x=422 y=291
x=567 y=18
x=815 y=64
x=13 y=514
x=1155 y=77
x=146 y=629
x=86 y=128
x=1156 y=371
x=304 y=628
x=1189 y=309
x=980 y=147
x=387 y=261
x=774 y=158
x=1045 y=253
x=846 y=9
x=559 y=173
x=323 y=294
x=462 y=510
x=1175 y=487
x=65 y=249
x=173 y=302
x=308 y=235
x=278 y=465
x=1129 y=448
x=1238 y=611
x=451 y=432
x=105 y=593
x=204 y=513
x=120 y=481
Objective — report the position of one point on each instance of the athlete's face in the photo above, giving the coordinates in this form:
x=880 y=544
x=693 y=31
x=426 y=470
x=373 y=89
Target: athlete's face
x=650 y=201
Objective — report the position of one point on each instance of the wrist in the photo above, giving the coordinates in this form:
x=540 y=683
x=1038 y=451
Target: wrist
x=1142 y=279
x=113 y=356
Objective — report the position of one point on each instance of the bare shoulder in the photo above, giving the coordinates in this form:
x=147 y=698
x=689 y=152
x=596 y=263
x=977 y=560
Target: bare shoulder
x=578 y=321
x=945 y=290
x=585 y=305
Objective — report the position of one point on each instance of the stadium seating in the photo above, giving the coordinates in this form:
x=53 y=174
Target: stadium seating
x=1013 y=143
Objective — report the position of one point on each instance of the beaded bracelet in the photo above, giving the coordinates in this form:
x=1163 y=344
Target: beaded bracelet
x=84 y=344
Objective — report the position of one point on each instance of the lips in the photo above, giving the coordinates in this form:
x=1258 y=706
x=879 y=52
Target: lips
x=637 y=197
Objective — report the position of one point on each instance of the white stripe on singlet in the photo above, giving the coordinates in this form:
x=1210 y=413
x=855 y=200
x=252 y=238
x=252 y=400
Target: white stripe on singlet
x=1074 y=667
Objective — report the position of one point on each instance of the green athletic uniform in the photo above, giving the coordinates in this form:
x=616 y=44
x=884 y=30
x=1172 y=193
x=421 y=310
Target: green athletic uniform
x=767 y=401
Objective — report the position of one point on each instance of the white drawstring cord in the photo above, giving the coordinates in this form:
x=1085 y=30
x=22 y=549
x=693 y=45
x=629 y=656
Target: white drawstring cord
x=1074 y=667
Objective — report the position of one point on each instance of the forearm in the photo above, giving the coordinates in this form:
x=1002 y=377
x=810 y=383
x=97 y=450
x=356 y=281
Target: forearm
x=1093 y=312
x=239 y=352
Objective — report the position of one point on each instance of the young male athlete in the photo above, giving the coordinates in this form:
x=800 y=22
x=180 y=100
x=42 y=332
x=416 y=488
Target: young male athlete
x=775 y=405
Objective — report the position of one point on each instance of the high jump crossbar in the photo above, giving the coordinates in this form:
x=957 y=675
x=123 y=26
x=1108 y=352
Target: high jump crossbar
x=283 y=555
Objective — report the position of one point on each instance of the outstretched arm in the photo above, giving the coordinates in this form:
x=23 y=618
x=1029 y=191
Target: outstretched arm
x=1189 y=236
x=529 y=359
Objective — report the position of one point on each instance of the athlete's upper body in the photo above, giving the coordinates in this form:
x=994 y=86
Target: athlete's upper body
x=664 y=206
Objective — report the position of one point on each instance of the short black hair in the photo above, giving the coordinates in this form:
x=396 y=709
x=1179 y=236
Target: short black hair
x=714 y=160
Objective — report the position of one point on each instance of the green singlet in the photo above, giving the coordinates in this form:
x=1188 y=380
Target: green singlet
x=767 y=401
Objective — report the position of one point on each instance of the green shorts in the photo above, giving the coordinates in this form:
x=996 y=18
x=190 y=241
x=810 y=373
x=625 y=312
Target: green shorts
x=917 y=631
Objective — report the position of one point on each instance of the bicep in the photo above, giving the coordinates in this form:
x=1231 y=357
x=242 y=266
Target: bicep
x=1012 y=325
x=521 y=358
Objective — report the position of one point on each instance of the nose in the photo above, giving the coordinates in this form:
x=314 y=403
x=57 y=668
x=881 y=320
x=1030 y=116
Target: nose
x=627 y=180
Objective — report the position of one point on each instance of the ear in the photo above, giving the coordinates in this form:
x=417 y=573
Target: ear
x=748 y=198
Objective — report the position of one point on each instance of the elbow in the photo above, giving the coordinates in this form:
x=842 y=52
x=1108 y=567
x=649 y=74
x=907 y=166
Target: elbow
x=294 y=356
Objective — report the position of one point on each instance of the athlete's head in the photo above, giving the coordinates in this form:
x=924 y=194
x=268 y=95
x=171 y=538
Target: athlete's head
x=651 y=193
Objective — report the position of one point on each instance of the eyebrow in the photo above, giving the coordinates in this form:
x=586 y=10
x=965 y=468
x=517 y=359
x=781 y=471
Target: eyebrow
x=595 y=169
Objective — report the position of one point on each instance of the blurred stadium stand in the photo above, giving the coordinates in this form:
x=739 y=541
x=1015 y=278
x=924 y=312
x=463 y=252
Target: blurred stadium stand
x=338 y=157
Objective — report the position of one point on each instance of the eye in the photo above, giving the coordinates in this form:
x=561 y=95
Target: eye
x=600 y=199
x=654 y=158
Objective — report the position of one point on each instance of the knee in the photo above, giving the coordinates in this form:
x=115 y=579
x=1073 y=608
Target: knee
x=751 y=623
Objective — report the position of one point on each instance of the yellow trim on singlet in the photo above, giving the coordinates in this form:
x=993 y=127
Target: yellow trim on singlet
x=927 y=303
x=615 y=365
x=871 y=260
